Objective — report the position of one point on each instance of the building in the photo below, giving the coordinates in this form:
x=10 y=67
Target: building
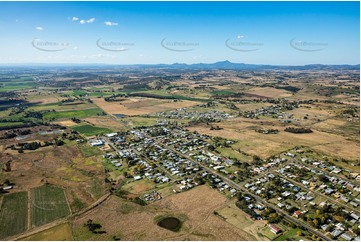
x=297 y=214
x=274 y=229
x=97 y=143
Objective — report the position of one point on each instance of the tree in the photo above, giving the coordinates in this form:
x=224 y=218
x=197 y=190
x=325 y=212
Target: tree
x=315 y=223
x=299 y=233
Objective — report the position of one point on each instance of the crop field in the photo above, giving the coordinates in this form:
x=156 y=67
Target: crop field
x=13 y=214
x=73 y=114
x=48 y=203
x=60 y=233
x=90 y=130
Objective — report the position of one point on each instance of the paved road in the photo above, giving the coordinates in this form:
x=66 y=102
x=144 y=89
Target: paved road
x=258 y=199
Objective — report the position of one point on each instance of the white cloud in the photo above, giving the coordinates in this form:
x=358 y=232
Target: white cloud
x=108 y=23
x=89 y=21
x=240 y=36
x=39 y=28
x=75 y=19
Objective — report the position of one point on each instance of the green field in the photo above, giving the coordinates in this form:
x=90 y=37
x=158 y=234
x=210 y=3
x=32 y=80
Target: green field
x=74 y=114
x=13 y=214
x=222 y=92
x=11 y=125
x=88 y=150
x=48 y=203
x=90 y=130
x=291 y=235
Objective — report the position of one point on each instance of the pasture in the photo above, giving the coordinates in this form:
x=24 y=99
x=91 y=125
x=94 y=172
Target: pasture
x=89 y=130
x=48 y=203
x=13 y=214
x=73 y=114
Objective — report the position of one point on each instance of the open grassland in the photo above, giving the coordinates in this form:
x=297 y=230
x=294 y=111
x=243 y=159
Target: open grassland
x=61 y=107
x=48 y=203
x=58 y=233
x=269 y=92
x=13 y=214
x=73 y=114
x=130 y=221
x=105 y=122
x=140 y=106
x=263 y=145
x=90 y=130
x=235 y=216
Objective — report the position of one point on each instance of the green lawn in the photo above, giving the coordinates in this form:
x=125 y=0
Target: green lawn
x=290 y=235
x=90 y=130
x=13 y=214
x=48 y=203
x=74 y=114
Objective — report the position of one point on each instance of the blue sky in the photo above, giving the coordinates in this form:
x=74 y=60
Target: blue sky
x=284 y=33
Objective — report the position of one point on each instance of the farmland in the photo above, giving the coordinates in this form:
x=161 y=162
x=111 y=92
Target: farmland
x=89 y=130
x=72 y=114
x=225 y=152
x=13 y=214
x=48 y=204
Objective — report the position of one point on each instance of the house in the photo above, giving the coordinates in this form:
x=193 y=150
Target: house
x=297 y=214
x=346 y=237
x=274 y=229
x=354 y=216
x=336 y=233
x=97 y=143
x=329 y=191
x=136 y=178
x=325 y=227
x=111 y=135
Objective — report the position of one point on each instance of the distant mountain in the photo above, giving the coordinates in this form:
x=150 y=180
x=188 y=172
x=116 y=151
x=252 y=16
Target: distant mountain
x=221 y=65
x=227 y=65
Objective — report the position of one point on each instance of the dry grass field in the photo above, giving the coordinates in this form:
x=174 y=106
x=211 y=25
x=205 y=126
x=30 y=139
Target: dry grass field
x=263 y=145
x=105 y=121
x=140 y=106
x=235 y=216
x=269 y=92
x=66 y=123
x=130 y=221
x=58 y=233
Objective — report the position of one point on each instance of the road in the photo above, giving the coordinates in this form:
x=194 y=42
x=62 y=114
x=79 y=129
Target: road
x=258 y=199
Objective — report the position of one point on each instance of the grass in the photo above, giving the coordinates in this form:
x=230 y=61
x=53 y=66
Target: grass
x=73 y=114
x=90 y=130
x=88 y=150
x=96 y=189
x=222 y=92
x=290 y=235
x=13 y=214
x=60 y=232
x=11 y=125
x=48 y=204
